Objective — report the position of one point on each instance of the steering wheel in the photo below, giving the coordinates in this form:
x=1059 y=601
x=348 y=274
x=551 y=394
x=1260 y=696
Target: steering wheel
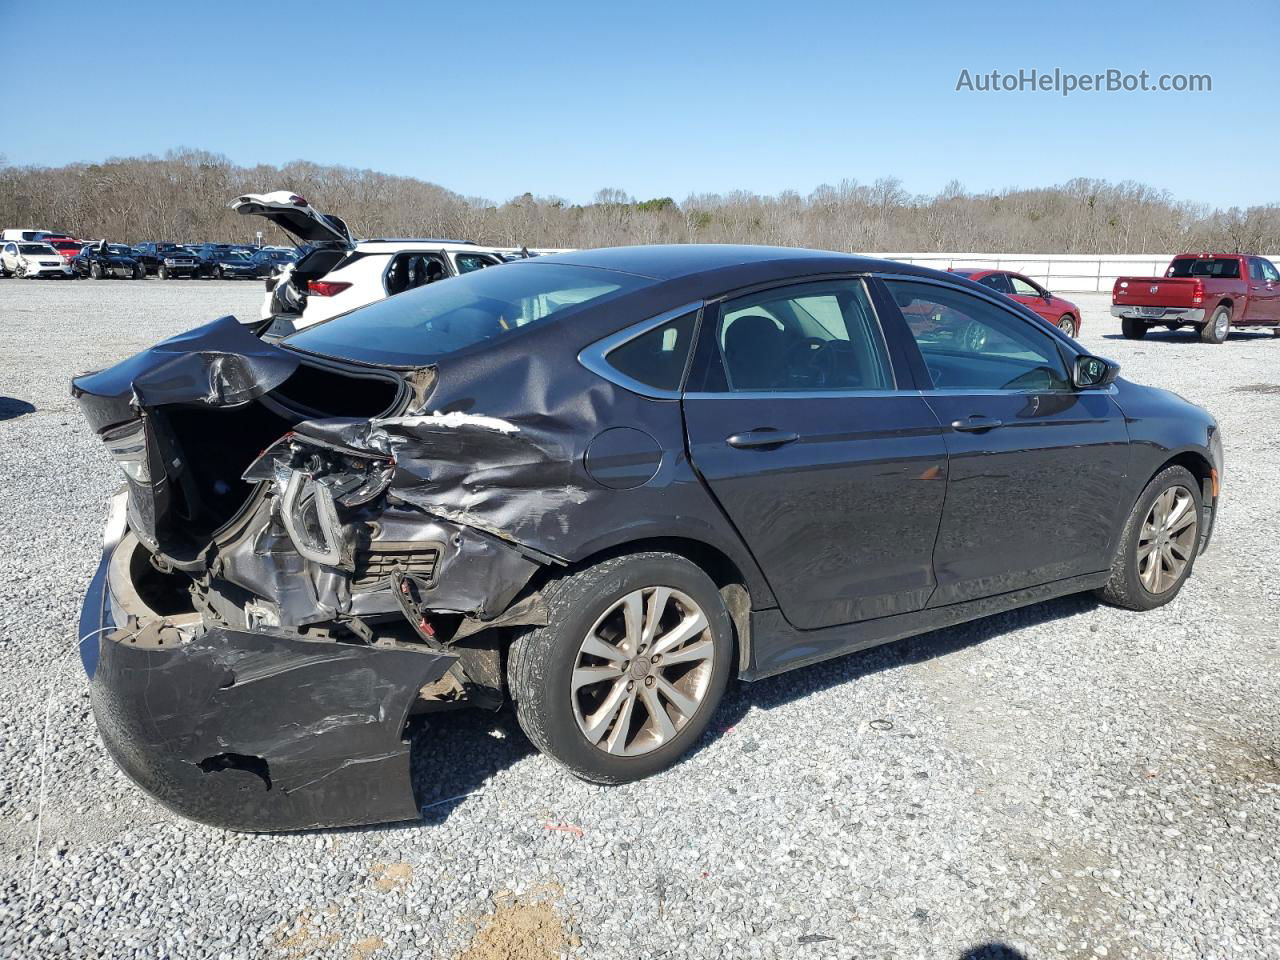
x=810 y=362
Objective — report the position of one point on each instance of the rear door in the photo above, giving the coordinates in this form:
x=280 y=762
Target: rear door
x=831 y=470
x=1037 y=486
x=1262 y=291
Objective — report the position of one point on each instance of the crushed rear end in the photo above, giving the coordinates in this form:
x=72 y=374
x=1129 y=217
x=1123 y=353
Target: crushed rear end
x=297 y=566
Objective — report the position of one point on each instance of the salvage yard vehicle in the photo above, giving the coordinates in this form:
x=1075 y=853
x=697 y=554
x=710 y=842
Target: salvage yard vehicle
x=103 y=260
x=167 y=260
x=339 y=273
x=600 y=485
x=67 y=247
x=1212 y=292
x=32 y=260
x=1061 y=313
x=230 y=265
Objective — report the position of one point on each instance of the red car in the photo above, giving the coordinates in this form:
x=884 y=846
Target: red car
x=1061 y=313
x=68 y=247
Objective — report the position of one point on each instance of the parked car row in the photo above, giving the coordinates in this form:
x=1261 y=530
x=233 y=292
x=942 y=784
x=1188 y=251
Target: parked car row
x=40 y=253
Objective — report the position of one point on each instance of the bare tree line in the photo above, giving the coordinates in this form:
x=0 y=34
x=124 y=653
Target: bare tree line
x=183 y=196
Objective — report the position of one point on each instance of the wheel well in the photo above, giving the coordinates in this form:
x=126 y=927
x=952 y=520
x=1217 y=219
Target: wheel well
x=716 y=564
x=1226 y=302
x=1197 y=464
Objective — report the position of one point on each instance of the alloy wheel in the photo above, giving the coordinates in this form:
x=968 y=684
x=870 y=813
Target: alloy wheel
x=1220 y=324
x=1168 y=539
x=1067 y=326
x=642 y=671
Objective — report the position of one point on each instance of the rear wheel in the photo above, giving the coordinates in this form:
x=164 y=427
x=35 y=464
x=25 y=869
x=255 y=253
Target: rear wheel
x=1067 y=324
x=1133 y=329
x=1219 y=325
x=632 y=664
x=1159 y=543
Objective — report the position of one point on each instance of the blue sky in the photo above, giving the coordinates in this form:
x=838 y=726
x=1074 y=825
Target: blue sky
x=655 y=98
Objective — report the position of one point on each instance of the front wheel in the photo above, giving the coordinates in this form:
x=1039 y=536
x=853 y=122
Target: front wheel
x=139 y=272
x=1133 y=329
x=95 y=271
x=629 y=669
x=1159 y=543
x=1219 y=325
x=1067 y=324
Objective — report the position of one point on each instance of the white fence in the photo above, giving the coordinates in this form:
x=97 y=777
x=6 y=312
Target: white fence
x=1060 y=272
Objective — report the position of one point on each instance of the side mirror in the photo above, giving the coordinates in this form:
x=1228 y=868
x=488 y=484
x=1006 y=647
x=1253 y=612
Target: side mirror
x=1094 y=373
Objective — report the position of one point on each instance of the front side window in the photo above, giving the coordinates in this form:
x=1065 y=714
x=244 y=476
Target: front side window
x=809 y=337
x=1022 y=288
x=468 y=262
x=441 y=318
x=969 y=343
x=656 y=358
x=1269 y=272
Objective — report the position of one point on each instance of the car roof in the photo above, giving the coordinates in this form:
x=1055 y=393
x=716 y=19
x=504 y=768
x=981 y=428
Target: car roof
x=395 y=246
x=672 y=261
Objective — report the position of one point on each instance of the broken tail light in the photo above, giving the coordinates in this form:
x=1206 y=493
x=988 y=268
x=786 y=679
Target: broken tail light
x=326 y=288
x=128 y=448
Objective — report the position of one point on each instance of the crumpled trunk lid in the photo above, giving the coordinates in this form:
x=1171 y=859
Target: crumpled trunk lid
x=186 y=417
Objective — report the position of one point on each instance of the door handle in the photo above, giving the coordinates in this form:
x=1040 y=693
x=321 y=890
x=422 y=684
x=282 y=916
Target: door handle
x=764 y=437
x=976 y=424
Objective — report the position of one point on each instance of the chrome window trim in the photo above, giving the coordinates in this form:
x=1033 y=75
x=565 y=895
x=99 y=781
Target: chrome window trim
x=594 y=356
x=865 y=394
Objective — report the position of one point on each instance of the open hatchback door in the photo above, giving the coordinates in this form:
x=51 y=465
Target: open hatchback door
x=292 y=214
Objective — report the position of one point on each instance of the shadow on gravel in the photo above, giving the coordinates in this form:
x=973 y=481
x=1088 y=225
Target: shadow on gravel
x=993 y=951
x=454 y=754
x=789 y=687
x=11 y=407
x=1189 y=337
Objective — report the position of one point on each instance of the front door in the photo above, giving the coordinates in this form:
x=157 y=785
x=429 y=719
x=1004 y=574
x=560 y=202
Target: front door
x=1037 y=486
x=832 y=475
x=1031 y=297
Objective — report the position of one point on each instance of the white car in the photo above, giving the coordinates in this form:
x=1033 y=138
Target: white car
x=20 y=258
x=339 y=272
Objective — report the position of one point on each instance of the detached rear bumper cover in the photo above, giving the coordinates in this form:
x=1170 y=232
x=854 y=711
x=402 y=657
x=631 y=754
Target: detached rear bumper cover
x=259 y=732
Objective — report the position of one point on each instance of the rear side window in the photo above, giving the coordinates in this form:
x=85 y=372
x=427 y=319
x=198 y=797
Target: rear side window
x=969 y=343
x=997 y=281
x=809 y=337
x=1226 y=267
x=656 y=359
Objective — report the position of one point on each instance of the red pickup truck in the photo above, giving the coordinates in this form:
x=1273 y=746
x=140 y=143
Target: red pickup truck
x=1211 y=291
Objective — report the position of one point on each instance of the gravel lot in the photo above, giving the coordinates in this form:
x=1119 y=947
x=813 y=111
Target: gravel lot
x=1067 y=780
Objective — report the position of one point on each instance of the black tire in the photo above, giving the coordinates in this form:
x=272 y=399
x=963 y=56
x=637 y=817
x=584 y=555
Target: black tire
x=541 y=663
x=217 y=272
x=1216 y=329
x=95 y=271
x=1067 y=324
x=162 y=272
x=139 y=272
x=1133 y=329
x=1125 y=588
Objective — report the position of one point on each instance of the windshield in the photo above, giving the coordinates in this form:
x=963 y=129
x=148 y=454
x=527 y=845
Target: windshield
x=35 y=248
x=233 y=255
x=1204 y=267
x=443 y=317
x=67 y=244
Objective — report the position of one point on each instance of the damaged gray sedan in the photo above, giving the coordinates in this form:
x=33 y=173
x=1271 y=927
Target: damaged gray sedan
x=598 y=485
